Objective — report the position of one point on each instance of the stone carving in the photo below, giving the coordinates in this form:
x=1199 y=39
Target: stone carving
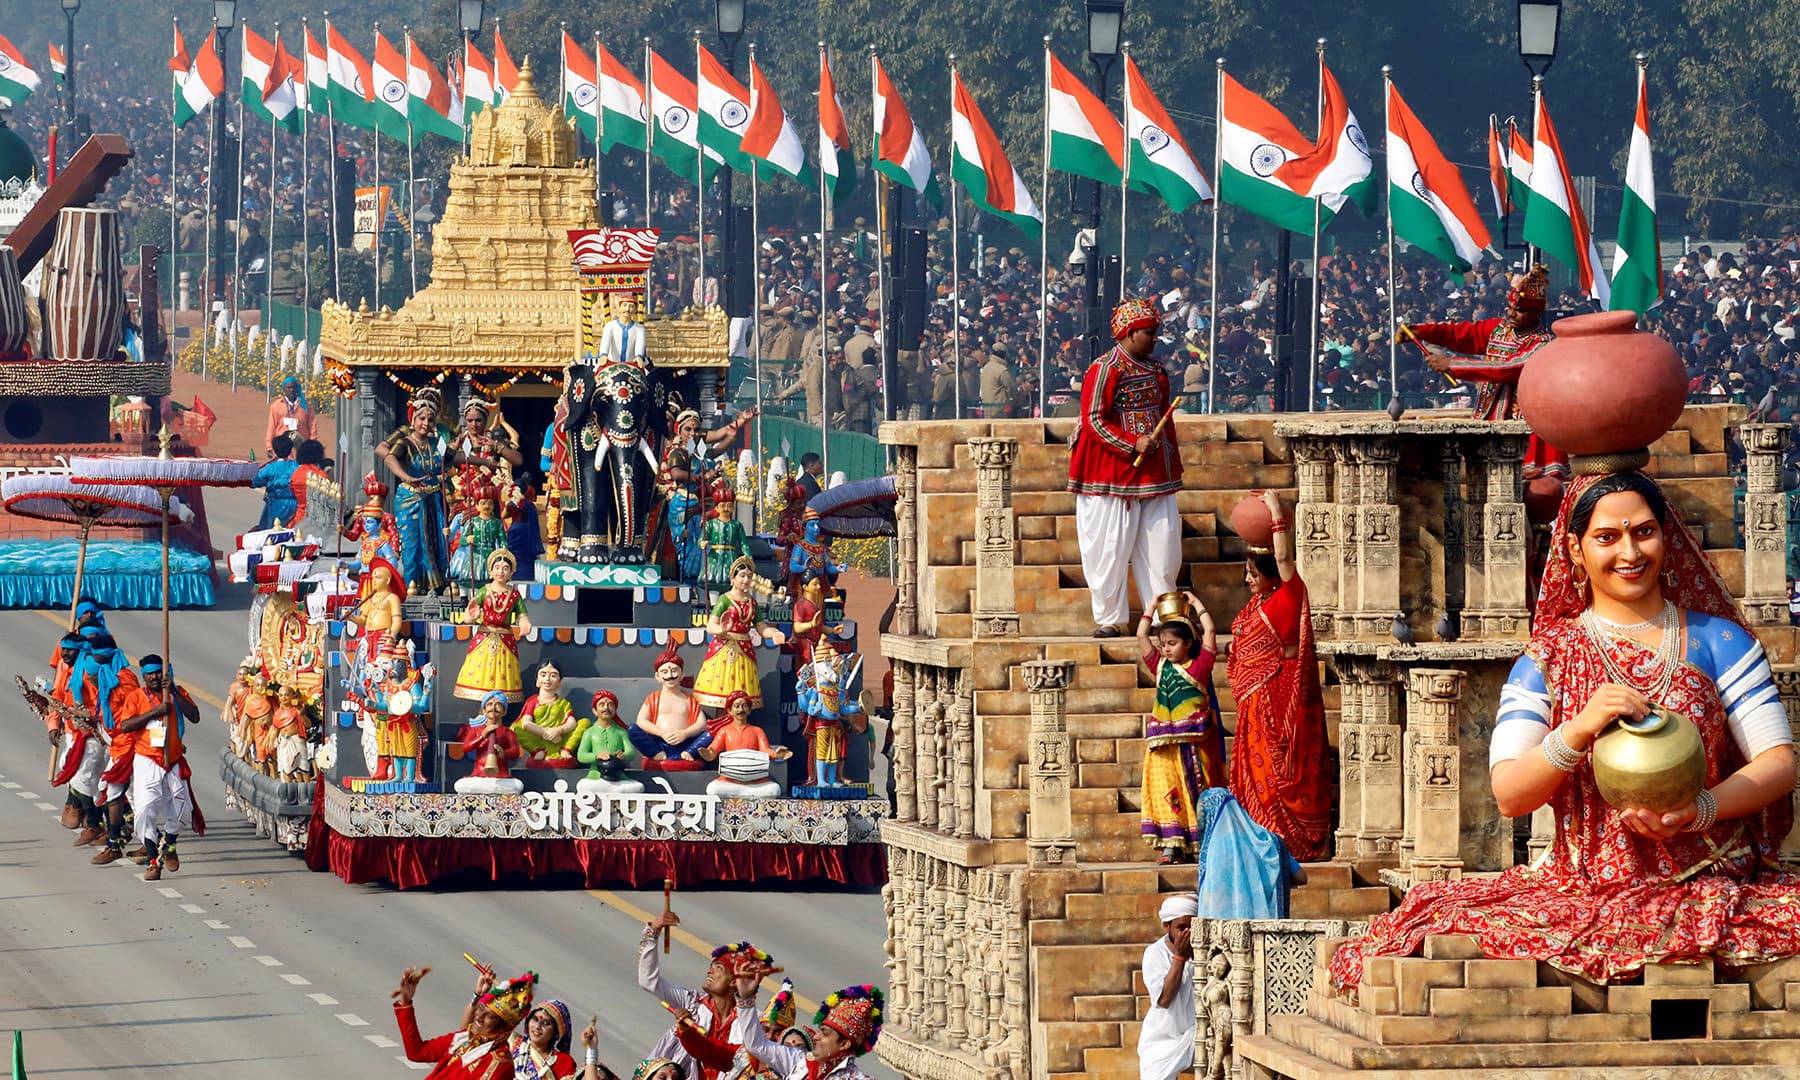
x=906 y=511
x=1765 y=524
x=906 y=797
x=1050 y=837
x=1215 y=1003
x=1787 y=684
x=996 y=611
x=1433 y=775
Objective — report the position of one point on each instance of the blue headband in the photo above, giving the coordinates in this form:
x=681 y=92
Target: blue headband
x=104 y=665
x=87 y=606
x=493 y=695
x=91 y=630
x=150 y=668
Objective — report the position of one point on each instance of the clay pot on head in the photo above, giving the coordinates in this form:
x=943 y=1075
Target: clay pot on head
x=1250 y=520
x=1601 y=386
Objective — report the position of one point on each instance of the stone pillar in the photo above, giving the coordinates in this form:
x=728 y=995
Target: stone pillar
x=1381 y=816
x=1434 y=773
x=906 y=801
x=1317 y=548
x=895 y=901
x=1455 y=569
x=1543 y=833
x=906 y=556
x=962 y=753
x=1347 y=489
x=926 y=708
x=1500 y=611
x=1349 y=762
x=1376 y=551
x=1474 y=535
x=1050 y=828
x=1765 y=525
x=996 y=612
x=1787 y=684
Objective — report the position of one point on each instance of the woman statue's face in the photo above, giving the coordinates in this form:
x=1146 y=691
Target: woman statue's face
x=1622 y=549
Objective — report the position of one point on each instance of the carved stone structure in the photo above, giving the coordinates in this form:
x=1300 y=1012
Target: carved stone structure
x=1765 y=524
x=1051 y=836
x=996 y=613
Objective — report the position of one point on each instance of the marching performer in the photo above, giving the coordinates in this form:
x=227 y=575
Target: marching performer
x=162 y=799
x=1125 y=469
x=734 y=972
x=477 y=1052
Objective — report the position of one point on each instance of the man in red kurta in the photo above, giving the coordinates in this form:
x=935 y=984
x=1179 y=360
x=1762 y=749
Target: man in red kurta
x=478 y=1052
x=1125 y=477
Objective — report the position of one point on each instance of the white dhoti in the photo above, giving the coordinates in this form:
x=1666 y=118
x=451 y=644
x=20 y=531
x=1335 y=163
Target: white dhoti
x=291 y=754
x=1124 y=540
x=1166 y=1039
x=160 y=799
x=86 y=780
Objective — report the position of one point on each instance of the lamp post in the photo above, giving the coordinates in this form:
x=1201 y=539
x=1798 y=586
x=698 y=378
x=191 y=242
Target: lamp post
x=1105 y=20
x=1540 y=23
x=224 y=19
x=728 y=19
x=70 y=7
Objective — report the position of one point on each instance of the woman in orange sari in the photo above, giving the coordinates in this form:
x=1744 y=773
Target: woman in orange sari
x=1278 y=756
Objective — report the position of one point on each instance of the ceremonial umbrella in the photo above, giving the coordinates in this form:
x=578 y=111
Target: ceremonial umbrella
x=163 y=473
x=858 y=509
x=57 y=498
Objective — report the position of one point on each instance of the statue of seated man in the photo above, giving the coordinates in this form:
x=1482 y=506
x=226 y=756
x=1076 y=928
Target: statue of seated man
x=490 y=745
x=606 y=749
x=669 y=725
x=743 y=753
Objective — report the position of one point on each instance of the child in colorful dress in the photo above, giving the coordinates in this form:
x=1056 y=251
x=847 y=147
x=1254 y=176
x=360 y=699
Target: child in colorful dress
x=497 y=611
x=1184 y=751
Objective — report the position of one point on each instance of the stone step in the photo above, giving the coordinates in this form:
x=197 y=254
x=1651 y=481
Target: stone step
x=1090 y=676
x=1673 y=441
x=1664 y=466
x=1082 y=970
x=1108 y=826
x=1112 y=849
x=1358 y=902
x=1327 y=875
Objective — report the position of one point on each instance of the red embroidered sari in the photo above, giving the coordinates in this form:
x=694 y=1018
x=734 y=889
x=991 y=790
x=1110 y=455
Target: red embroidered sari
x=1278 y=754
x=1607 y=901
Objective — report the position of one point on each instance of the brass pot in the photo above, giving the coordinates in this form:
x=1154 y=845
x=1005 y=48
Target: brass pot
x=1657 y=763
x=1171 y=607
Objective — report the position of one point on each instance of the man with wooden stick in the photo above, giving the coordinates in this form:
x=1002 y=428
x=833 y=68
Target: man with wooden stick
x=1125 y=468
x=735 y=970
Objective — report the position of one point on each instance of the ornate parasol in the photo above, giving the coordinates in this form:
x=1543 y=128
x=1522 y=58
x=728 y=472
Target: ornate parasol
x=163 y=474
x=858 y=509
x=58 y=498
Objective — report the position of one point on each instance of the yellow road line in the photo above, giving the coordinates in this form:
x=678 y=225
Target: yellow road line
x=199 y=693
x=802 y=1004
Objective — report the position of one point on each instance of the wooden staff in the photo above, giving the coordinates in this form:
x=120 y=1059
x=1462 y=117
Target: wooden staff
x=1408 y=335
x=668 y=889
x=1155 y=433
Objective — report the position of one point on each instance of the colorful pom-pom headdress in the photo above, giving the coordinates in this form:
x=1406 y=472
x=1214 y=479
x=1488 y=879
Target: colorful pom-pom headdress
x=1133 y=314
x=855 y=1013
x=1530 y=289
x=511 y=1001
x=743 y=958
x=780 y=1013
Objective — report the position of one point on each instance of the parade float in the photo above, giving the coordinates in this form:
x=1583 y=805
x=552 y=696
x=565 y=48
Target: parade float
x=566 y=677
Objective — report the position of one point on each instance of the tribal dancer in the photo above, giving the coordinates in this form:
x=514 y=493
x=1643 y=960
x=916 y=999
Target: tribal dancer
x=162 y=797
x=477 y=1052
x=848 y=1024
x=109 y=691
x=81 y=755
x=712 y=1007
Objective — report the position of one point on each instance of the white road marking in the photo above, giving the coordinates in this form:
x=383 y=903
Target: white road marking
x=268 y=961
x=352 y=1020
x=173 y=894
x=10 y=786
x=416 y=1066
x=45 y=806
x=242 y=942
x=27 y=794
x=323 y=999
x=297 y=980
x=193 y=909
x=382 y=1041
x=214 y=924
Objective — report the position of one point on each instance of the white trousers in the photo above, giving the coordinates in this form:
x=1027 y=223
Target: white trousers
x=86 y=780
x=1126 y=539
x=159 y=798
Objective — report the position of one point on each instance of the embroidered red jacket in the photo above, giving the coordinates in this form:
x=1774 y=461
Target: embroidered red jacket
x=452 y=1056
x=1122 y=399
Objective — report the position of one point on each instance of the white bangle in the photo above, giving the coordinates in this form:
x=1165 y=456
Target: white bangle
x=1706 y=812
x=1557 y=751
x=592 y=1057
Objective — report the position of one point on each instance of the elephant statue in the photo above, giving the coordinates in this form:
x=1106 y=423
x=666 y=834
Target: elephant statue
x=609 y=424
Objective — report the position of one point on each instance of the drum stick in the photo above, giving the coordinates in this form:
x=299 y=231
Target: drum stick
x=1155 y=433
x=668 y=888
x=1407 y=331
x=479 y=966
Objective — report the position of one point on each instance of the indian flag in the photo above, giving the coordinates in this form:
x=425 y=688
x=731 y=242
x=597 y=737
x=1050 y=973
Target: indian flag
x=1497 y=166
x=1255 y=141
x=198 y=80
x=724 y=110
x=351 y=79
x=282 y=90
x=675 y=103
x=836 y=160
x=392 y=98
x=978 y=162
x=1085 y=138
x=59 y=64
x=1637 y=261
x=900 y=153
x=434 y=107
x=1429 y=206
x=770 y=136
x=478 y=81
x=17 y=79
x=318 y=77
x=622 y=111
x=506 y=73
x=256 y=59
x=1160 y=161
x=1518 y=168
x=1554 y=220
x=581 y=87
x=1338 y=168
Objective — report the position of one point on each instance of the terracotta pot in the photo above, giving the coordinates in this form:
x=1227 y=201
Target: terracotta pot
x=1601 y=386
x=1250 y=520
x=1543 y=498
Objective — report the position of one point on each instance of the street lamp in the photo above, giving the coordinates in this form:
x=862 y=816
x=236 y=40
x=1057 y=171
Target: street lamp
x=224 y=19
x=70 y=7
x=1539 y=23
x=470 y=13
x=1105 y=21
x=730 y=18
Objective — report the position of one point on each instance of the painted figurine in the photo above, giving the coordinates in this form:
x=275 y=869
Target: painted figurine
x=828 y=708
x=478 y=534
x=374 y=531
x=399 y=700
x=490 y=747
x=669 y=725
x=559 y=481
x=548 y=729
x=419 y=460
x=811 y=554
x=606 y=749
x=722 y=541
x=737 y=778
x=379 y=614
x=292 y=756
x=524 y=537
x=809 y=628
x=733 y=633
x=497 y=611
x=791 y=525
x=485 y=454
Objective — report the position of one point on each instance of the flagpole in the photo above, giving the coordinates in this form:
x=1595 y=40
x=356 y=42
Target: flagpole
x=1387 y=84
x=1212 y=323
x=306 y=190
x=824 y=255
x=562 y=51
x=237 y=238
x=1125 y=175
x=1312 y=346
x=206 y=262
x=650 y=141
x=412 y=207
x=1044 y=255
x=1537 y=110
x=599 y=121
x=700 y=197
x=380 y=210
x=269 y=288
x=756 y=324
x=881 y=227
x=955 y=255
x=337 y=281
x=174 y=172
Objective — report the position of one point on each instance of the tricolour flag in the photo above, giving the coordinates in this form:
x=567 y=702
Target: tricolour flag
x=1085 y=138
x=351 y=82
x=434 y=107
x=724 y=110
x=283 y=89
x=1338 y=168
x=1160 y=161
x=1431 y=208
x=317 y=92
x=581 y=86
x=1518 y=169
x=1554 y=220
x=17 y=79
x=392 y=98
x=478 y=81
x=675 y=103
x=622 y=109
x=1255 y=141
x=255 y=60
x=1637 y=282
x=836 y=159
x=506 y=73
x=900 y=153
x=59 y=64
x=1497 y=169
x=198 y=80
x=978 y=162
x=770 y=136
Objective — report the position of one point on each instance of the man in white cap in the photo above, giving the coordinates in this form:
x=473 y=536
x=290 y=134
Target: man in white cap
x=1166 y=1041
